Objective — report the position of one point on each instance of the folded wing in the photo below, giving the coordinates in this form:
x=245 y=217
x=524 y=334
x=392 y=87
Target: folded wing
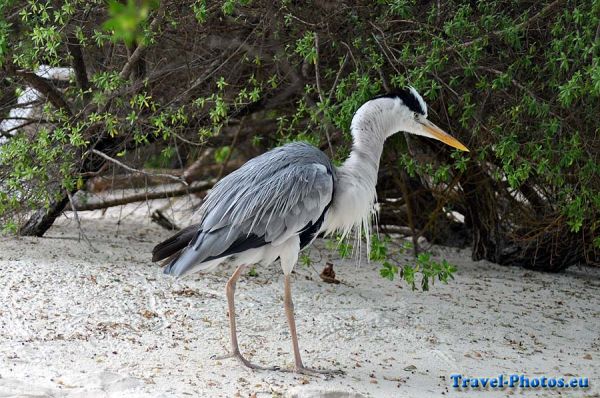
x=270 y=199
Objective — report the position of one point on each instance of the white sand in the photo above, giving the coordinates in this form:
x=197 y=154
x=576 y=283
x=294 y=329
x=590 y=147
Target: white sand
x=74 y=323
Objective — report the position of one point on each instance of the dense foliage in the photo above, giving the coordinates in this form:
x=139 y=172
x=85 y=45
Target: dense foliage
x=156 y=83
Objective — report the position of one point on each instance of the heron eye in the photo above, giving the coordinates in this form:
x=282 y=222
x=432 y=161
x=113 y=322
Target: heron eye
x=416 y=116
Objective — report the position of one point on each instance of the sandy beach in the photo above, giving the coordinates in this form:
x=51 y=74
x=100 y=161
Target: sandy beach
x=103 y=321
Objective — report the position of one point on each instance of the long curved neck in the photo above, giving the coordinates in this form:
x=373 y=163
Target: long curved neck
x=362 y=166
x=355 y=193
x=371 y=126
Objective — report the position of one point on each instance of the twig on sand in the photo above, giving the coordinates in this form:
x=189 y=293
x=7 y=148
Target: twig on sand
x=162 y=220
x=81 y=232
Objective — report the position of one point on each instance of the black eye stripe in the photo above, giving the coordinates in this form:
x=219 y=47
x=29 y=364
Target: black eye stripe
x=407 y=97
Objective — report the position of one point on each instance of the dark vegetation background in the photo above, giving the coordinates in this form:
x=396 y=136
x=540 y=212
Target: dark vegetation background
x=173 y=91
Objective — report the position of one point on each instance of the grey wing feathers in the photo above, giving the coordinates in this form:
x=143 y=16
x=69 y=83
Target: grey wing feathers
x=268 y=200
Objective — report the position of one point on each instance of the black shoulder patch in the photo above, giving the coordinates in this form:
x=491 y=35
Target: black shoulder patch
x=407 y=97
x=243 y=243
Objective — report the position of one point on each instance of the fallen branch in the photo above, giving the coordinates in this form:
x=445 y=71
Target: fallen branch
x=83 y=203
x=158 y=217
x=197 y=172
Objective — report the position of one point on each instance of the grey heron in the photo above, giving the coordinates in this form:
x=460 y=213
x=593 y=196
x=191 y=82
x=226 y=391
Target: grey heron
x=277 y=203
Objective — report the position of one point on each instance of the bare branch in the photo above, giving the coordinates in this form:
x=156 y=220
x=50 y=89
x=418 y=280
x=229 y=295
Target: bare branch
x=146 y=173
x=78 y=63
x=140 y=50
x=47 y=89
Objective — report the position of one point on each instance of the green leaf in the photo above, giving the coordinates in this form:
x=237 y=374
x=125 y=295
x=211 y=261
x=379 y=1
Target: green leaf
x=221 y=154
x=126 y=19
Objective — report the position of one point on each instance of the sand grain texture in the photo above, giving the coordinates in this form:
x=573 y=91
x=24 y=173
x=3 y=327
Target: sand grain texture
x=78 y=323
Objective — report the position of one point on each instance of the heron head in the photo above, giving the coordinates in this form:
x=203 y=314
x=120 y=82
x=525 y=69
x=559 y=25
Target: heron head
x=406 y=111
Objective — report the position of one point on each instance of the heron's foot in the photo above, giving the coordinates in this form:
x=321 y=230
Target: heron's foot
x=310 y=371
x=238 y=355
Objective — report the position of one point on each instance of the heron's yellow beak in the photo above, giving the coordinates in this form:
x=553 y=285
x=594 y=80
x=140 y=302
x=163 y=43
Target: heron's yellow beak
x=441 y=135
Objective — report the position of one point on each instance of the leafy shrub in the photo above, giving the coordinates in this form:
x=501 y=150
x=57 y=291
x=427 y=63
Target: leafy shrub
x=519 y=83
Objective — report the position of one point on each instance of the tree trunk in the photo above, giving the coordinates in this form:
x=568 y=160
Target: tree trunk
x=482 y=213
x=42 y=219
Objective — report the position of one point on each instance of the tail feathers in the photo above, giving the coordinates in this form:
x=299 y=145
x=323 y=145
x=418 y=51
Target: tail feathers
x=188 y=261
x=169 y=261
x=170 y=249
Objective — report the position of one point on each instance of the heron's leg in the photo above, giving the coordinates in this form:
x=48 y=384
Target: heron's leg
x=230 y=292
x=289 y=312
x=235 y=349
